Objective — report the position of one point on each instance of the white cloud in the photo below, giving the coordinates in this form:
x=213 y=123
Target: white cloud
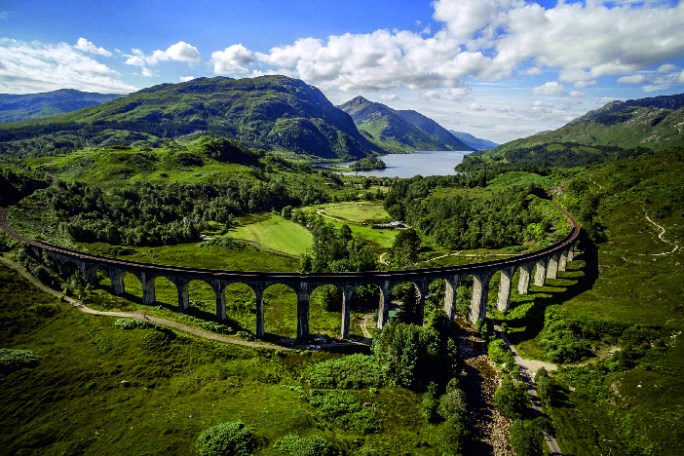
x=38 y=67
x=632 y=79
x=576 y=93
x=389 y=97
x=663 y=78
x=452 y=94
x=179 y=52
x=681 y=77
x=89 y=47
x=186 y=78
x=232 y=60
x=485 y=40
x=667 y=68
x=549 y=89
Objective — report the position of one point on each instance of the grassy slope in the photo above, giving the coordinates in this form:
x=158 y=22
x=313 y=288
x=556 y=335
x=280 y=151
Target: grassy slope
x=73 y=402
x=278 y=234
x=632 y=281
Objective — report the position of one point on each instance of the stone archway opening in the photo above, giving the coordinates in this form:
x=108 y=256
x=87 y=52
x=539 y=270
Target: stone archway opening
x=241 y=306
x=201 y=299
x=280 y=312
x=407 y=302
x=325 y=310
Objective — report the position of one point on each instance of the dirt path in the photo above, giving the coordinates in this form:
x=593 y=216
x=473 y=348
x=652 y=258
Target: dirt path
x=136 y=315
x=528 y=370
x=661 y=236
x=367 y=318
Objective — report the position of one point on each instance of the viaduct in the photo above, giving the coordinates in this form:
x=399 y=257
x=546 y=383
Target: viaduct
x=536 y=267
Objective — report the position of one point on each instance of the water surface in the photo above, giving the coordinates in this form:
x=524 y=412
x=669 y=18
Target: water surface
x=424 y=163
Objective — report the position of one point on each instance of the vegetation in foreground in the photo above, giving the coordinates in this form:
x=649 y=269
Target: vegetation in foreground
x=139 y=389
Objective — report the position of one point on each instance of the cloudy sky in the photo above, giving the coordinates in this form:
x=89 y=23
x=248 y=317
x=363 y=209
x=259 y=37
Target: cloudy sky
x=499 y=69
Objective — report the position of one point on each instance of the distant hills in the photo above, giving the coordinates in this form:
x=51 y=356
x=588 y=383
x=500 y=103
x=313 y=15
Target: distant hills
x=399 y=131
x=617 y=130
x=268 y=112
x=473 y=141
x=17 y=108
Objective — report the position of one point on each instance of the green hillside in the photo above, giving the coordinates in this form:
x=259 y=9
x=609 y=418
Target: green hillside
x=269 y=112
x=399 y=131
x=617 y=130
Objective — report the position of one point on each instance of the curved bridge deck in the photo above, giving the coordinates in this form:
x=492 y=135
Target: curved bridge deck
x=538 y=265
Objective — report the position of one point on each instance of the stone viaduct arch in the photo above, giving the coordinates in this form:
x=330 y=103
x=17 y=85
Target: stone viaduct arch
x=538 y=266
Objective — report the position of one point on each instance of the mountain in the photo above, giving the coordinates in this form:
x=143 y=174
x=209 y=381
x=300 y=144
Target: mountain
x=269 y=112
x=617 y=130
x=473 y=141
x=399 y=131
x=16 y=108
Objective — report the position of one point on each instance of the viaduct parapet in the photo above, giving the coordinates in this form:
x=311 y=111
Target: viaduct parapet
x=536 y=266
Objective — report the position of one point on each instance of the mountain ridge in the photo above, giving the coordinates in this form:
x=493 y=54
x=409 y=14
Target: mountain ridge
x=399 y=131
x=23 y=107
x=269 y=112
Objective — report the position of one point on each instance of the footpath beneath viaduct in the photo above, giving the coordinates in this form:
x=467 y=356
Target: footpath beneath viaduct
x=533 y=267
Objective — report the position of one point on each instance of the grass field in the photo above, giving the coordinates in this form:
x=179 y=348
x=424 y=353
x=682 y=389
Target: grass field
x=276 y=234
x=359 y=216
x=98 y=389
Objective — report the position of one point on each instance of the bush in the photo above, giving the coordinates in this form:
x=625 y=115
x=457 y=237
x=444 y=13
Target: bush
x=295 y=445
x=130 y=323
x=511 y=399
x=15 y=359
x=345 y=411
x=498 y=351
x=229 y=438
x=452 y=403
x=349 y=372
x=527 y=438
x=454 y=436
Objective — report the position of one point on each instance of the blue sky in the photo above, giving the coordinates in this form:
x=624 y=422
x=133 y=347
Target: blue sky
x=499 y=69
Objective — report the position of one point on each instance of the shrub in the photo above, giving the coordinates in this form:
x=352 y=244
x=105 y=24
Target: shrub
x=349 y=372
x=454 y=436
x=429 y=404
x=452 y=403
x=345 y=410
x=498 y=351
x=295 y=445
x=229 y=438
x=527 y=438
x=130 y=323
x=15 y=359
x=511 y=399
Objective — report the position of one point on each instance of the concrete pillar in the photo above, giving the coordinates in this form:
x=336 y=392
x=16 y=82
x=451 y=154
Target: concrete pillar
x=478 y=305
x=563 y=261
x=87 y=274
x=303 y=296
x=183 y=294
x=420 y=301
x=116 y=276
x=571 y=253
x=450 y=287
x=347 y=291
x=540 y=273
x=503 y=300
x=524 y=278
x=219 y=287
x=149 y=292
x=552 y=267
x=260 y=327
x=385 y=301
